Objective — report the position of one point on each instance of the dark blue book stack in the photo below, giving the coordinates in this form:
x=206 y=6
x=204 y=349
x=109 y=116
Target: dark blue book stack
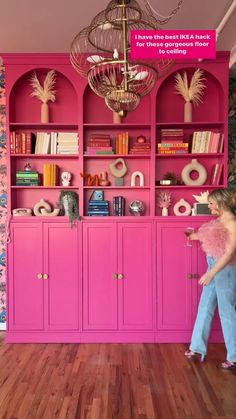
x=98 y=207
x=118 y=205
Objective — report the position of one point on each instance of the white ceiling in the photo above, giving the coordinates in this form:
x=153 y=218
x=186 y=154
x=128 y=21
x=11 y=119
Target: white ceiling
x=50 y=25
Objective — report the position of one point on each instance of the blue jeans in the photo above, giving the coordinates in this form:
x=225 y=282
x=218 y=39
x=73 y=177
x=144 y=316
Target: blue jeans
x=220 y=292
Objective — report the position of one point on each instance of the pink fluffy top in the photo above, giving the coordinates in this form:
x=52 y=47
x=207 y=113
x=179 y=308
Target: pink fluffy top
x=214 y=238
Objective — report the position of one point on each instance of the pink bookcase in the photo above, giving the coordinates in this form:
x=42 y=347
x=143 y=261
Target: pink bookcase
x=117 y=277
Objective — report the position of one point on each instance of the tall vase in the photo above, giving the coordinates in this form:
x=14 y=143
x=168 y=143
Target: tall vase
x=116 y=118
x=164 y=211
x=44 y=113
x=188 y=112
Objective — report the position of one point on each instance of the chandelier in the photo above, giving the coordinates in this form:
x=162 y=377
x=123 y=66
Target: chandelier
x=100 y=53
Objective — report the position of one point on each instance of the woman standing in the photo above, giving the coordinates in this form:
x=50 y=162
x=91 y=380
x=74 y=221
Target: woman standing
x=218 y=240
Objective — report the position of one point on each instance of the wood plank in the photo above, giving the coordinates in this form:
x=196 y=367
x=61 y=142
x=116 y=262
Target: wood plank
x=106 y=381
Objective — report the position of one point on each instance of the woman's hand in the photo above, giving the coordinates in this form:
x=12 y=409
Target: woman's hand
x=206 y=278
x=193 y=236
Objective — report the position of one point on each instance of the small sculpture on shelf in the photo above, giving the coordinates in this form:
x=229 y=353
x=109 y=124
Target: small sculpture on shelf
x=90 y=180
x=66 y=178
x=27 y=167
x=117 y=172
x=138 y=175
x=44 y=209
x=194 y=166
x=164 y=200
x=103 y=179
x=44 y=93
x=192 y=93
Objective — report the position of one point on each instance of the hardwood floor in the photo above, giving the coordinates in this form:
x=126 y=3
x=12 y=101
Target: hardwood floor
x=106 y=381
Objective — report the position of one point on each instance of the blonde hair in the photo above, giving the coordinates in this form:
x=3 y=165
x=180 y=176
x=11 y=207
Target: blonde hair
x=224 y=198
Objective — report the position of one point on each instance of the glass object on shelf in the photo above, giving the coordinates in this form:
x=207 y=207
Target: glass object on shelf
x=136 y=207
x=188 y=232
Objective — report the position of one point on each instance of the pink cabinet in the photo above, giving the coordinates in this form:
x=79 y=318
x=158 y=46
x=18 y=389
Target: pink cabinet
x=180 y=264
x=175 y=288
x=99 y=281
x=135 y=264
x=25 y=289
x=61 y=253
x=117 y=272
x=43 y=277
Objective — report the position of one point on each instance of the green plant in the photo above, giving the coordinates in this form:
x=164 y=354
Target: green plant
x=69 y=205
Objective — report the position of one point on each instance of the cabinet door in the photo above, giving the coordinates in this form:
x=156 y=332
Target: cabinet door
x=174 y=284
x=61 y=253
x=25 y=289
x=99 y=269
x=136 y=266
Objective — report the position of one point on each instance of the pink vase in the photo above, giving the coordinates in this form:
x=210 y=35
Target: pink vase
x=44 y=113
x=188 y=112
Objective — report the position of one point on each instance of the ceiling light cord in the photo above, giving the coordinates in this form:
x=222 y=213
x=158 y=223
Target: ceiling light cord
x=225 y=19
x=165 y=18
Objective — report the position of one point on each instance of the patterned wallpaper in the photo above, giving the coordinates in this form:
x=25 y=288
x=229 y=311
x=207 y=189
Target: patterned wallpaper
x=3 y=196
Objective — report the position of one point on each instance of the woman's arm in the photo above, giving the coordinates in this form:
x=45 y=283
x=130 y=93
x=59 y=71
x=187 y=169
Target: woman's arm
x=226 y=258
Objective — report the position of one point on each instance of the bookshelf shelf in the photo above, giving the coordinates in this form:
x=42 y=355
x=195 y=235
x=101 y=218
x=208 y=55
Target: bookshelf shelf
x=189 y=155
x=117 y=187
x=40 y=125
x=190 y=187
x=44 y=187
x=45 y=156
x=116 y=156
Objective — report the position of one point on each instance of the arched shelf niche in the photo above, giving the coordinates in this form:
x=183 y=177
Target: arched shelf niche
x=170 y=105
x=25 y=108
x=97 y=112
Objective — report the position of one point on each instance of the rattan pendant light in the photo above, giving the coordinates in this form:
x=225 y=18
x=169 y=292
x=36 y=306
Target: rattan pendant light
x=101 y=53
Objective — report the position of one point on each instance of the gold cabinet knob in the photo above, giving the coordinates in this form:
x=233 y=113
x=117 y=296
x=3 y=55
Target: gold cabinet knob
x=120 y=276
x=115 y=276
x=196 y=276
x=39 y=276
x=190 y=276
x=45 y=276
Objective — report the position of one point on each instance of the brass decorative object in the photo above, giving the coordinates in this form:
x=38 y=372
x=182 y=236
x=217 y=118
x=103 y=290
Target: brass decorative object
x=100 y=52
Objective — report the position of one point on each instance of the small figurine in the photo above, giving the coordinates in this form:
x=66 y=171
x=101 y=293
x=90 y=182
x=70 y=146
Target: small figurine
x=66 y=178
x=27 y=167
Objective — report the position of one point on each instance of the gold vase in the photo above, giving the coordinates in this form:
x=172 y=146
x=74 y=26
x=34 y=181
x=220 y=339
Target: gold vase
x=188 y=112
x=44 y=113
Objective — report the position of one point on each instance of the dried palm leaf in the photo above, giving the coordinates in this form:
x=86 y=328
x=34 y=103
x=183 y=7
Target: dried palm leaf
x=194 y=92
x=45 y=92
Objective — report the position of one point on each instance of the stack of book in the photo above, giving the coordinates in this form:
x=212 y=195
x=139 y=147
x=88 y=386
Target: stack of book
x=98 y=208
x=67 y=143
x=99 y=144
x=122 y=143
x=27 y=178
x=172 y=148
x=140 y=148
x=172 y=142
x=22 y=142
x=207 y=142
x=118 y=205
x=175 y=135
x=50 y=174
